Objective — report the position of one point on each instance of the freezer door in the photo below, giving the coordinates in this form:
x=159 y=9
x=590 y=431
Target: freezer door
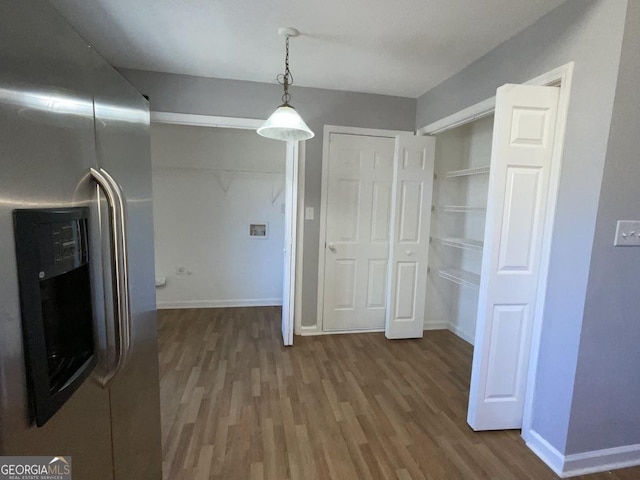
x=46 y=148
x=123 y=150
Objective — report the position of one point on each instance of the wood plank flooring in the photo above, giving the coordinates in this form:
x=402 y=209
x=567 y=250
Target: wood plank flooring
x=238 y=405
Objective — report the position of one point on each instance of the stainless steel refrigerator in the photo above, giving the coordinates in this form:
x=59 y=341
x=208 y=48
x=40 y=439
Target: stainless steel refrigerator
x=74 y=133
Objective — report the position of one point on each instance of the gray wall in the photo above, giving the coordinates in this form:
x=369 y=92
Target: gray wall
x=605 y=411
x=232 y=98
x=590 y=34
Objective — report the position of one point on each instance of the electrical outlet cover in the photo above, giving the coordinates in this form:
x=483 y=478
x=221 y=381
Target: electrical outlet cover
x=309 y=213
x=627 y=233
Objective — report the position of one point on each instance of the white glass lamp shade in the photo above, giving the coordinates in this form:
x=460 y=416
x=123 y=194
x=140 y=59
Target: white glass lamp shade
x=285 y=124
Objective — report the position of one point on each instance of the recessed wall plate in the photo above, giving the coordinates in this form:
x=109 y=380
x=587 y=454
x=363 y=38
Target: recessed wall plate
x=309 y=213
x=259 y=230
x=627 y=233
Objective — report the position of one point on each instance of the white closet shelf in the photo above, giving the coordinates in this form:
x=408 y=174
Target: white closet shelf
x=463 y=243
x=467 y=172
x=461 y=277
x=461 y=209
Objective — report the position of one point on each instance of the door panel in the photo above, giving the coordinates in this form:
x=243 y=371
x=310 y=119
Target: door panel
x=410 y=211
x=409 y=249
x=518 y=190
x=381 y=212
x=505 y=342
x=376 y=287
x=406 y=275
x=347 y=194
x=520 y=218
x=345 y=285
x=358 y=216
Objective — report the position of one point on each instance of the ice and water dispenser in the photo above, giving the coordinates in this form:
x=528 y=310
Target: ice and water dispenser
x=52 y=252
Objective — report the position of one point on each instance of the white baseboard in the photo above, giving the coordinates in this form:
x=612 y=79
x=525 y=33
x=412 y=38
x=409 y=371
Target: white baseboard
x=444 y=325
x=436 y=325
x=469 y=338
x=601 y=460
x=307 y=331
x=575 y=464
x=543 y=449
x=364 y=330
x=252 y=302
x=314 y=330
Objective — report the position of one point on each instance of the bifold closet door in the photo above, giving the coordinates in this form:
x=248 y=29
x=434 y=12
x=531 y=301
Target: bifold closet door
x=409 y=239
x=523 y=139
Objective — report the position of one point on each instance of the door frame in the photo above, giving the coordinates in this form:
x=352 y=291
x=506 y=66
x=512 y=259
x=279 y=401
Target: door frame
x=290 y=250
x=561 y=77
x=318 y=328
x=298 y=194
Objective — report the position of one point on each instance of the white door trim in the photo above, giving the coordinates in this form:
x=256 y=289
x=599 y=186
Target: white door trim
x=467 y=115
x=299 y=157
x=205 y=120
x=562 y=77
x=290 y=243
x=297 y=327
x=326 y=136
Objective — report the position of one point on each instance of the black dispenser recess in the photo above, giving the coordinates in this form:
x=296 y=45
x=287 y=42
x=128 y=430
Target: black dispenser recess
x=52 y=252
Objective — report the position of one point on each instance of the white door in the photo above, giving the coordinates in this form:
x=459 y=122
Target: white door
x=359 y=176
x=409 y=249
x=290 y=235
x=523 y=138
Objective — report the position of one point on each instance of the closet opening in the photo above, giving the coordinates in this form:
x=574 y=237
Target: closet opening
x=461 y=183
x=491 y=234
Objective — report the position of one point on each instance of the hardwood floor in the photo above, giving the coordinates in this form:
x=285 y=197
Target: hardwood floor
x=238 y=405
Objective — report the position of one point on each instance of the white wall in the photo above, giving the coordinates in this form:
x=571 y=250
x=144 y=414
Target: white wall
x=449 y=305
x=605 y=412
x=202 y=227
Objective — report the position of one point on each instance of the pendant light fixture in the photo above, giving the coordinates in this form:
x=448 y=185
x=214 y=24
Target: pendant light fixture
x=285 y=123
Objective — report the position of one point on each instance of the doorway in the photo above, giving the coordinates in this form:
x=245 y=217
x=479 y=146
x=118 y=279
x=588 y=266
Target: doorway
x=354 y=228
x=225 y=214
x=357 y=231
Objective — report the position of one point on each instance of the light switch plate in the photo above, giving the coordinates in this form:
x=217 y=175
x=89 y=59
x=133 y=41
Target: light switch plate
x=627 y=233
x=309 y=213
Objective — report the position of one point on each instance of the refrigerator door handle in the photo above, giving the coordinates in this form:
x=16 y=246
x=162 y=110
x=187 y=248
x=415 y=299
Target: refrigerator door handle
x=124 y=291
x=117 y=216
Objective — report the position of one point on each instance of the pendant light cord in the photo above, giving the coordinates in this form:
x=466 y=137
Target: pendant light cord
x=286 y=79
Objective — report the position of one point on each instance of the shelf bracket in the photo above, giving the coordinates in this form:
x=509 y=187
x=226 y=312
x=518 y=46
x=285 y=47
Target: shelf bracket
x=224 y=179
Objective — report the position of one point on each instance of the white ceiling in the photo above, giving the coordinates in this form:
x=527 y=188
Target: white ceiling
x=393 y=47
